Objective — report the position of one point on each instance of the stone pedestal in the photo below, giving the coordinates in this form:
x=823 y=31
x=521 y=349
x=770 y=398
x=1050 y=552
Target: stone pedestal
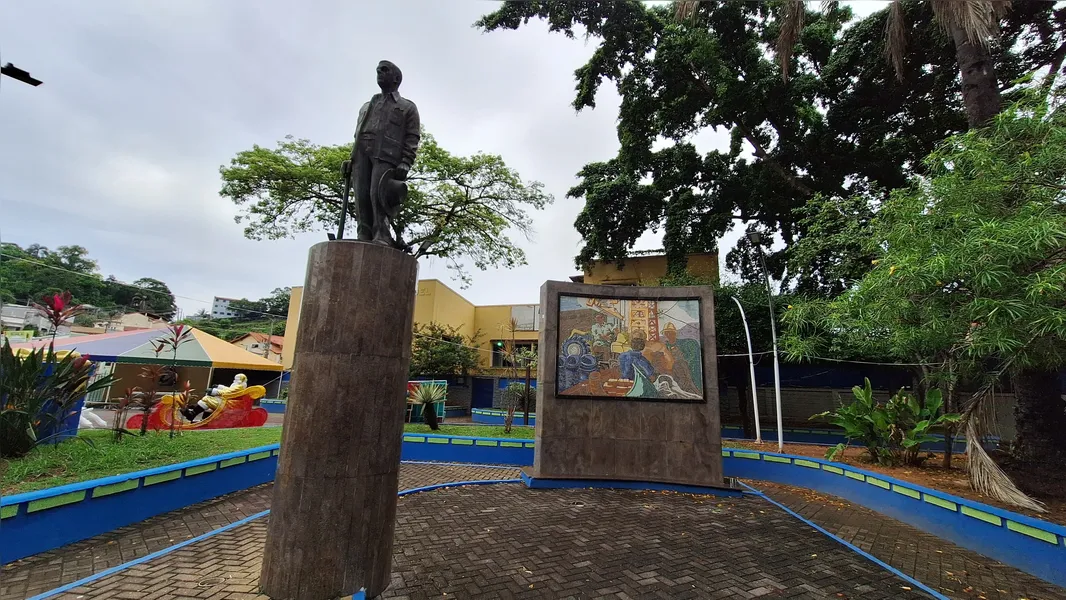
x=334 y=507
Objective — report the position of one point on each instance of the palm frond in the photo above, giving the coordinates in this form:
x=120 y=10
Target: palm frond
x=792 y=16
x=978 y=19
x=685 y=9
x=985 y=475
x=896 y=37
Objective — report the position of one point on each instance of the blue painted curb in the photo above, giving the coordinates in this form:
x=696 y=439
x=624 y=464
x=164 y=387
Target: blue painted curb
x=852 y=547
x=36 y=522
x=1031 y=545
x=465 y=449
x=543 y=483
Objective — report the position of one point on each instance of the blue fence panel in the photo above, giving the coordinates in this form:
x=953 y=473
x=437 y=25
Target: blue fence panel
x=462 y=449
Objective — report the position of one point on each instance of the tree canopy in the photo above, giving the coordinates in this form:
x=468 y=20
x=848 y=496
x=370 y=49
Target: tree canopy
x=27 y=274
x=458 y=207
x=970 y=267
x=842 y=124
x=439 y=350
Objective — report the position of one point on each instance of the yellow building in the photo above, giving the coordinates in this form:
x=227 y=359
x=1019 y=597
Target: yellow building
x=645 y=270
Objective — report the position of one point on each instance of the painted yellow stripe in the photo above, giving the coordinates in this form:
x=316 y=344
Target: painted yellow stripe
x=940 y=502
x=511 y=444
x=8 y=511
x=114 y=488
x=982 y=516
x=742 y=454
x=437 y=440
x=160 y=478
x=463 y=442
x=491 y=443
x=1039 y=534
x=776 y=459
x=810 y=464
x=229 y=462
x=833 y=469
x=413 y=438
x=201 y=469
x=854 y=475
x=258 y=456
x=725 y=453
x=529 y=444
x=879 y=483
x=54 y=501
x=906 y=491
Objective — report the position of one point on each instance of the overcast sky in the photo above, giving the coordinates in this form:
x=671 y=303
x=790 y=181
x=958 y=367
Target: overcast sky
x=119 y=149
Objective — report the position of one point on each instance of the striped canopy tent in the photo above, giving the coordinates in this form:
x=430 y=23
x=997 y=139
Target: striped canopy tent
x=137 y=347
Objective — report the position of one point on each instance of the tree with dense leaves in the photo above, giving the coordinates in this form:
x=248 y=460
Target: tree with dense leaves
x=842 y=123
x=458 y=207
x=971 y=270
x=26 y=274
x=438 y=350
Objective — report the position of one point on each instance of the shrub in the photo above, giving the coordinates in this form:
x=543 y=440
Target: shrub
x=892 y=432
x=37 y=392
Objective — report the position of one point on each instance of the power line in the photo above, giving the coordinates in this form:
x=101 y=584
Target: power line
x=129 y=285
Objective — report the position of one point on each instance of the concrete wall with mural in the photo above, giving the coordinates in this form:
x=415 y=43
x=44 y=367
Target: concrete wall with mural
x=647 y=437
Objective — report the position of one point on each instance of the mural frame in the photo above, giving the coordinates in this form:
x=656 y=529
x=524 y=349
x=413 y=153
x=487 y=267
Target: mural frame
x=629 y=298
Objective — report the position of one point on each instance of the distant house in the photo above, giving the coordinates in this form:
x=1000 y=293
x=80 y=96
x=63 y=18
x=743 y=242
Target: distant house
x=220 y=308
x=267 y=346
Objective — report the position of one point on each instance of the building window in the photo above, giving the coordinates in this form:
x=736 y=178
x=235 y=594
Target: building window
x=499 y=355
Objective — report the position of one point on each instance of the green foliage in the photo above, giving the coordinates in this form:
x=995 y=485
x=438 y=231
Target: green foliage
x=37 y=392
x=458 y=207
x=27 y=274
x=439 y=350
x=70 y=462
x=277 y=304
x=892 y=432
x=842 y=125
x=971 y=260
x=428 y=395
x=518 y=396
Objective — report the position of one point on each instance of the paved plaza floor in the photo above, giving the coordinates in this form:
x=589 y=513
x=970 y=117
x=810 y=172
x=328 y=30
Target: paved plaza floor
x=505 y=541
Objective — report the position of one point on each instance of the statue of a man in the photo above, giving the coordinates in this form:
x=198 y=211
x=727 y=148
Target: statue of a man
x=386 y=140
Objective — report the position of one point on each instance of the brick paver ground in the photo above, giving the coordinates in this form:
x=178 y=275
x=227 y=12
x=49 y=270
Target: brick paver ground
x=504 y=541
x=49 y=570
x=954 y=571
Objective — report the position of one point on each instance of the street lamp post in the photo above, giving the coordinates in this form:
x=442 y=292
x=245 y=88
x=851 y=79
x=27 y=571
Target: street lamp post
x=754 y=237
x=751 y=366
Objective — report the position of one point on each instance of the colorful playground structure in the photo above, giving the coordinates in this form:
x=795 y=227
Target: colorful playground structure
x=223 y=407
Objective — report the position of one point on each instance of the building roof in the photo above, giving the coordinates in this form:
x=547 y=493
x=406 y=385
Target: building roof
x=277 y=342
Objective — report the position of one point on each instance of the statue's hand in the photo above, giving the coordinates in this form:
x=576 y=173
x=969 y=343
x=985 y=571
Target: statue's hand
x=346 y=168
x=401 y=172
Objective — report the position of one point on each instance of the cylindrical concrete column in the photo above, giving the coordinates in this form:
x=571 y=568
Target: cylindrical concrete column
x=334 y=508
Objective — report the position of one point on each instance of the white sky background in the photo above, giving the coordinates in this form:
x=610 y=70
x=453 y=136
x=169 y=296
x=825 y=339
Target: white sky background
x=119 y=149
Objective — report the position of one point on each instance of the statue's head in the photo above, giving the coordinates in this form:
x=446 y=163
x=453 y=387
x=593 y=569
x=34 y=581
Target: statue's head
x=240 y=379
x=389 y=76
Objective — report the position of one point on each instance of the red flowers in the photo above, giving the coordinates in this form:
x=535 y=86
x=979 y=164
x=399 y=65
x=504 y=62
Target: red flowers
x=58 y=308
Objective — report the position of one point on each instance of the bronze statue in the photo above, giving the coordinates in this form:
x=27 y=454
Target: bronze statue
x=386 y=140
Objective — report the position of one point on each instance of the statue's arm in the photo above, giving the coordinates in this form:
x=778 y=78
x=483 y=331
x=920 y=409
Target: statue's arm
x=411 y=137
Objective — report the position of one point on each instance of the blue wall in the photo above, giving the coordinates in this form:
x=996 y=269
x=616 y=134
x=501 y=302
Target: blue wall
x=40 y=521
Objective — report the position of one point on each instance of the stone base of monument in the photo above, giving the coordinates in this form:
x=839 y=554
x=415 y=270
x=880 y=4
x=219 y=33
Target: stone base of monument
x=334 y=508
x=729 y=488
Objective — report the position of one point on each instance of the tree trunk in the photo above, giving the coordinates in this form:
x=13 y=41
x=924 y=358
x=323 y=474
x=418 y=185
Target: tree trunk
x=980 y=90
x=1039 y=416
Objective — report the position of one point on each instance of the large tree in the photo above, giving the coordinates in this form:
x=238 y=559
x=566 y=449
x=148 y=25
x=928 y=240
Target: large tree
x=971 y=271
x=458 y=207
x=439 y=350
x=842 y=124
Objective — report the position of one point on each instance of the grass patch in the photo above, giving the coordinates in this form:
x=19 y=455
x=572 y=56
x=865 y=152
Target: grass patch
x=489 y=431
x=73 y=461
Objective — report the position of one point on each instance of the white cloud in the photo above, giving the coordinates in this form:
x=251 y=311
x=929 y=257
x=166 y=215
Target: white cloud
x=119 y=150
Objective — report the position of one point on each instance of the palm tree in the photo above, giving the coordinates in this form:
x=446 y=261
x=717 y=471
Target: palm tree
x=972 y=24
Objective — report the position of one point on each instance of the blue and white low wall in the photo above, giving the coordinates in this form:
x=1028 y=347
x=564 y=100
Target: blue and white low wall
x=1032 y=545
x=493 y=416
x=36 y=522
x=40 y=521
